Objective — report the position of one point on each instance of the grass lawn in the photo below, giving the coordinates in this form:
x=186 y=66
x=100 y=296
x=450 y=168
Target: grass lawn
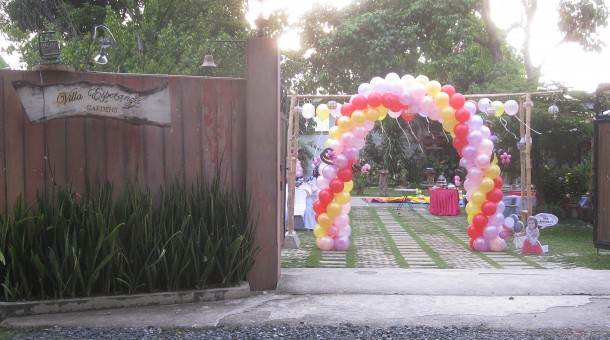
x=573 y=240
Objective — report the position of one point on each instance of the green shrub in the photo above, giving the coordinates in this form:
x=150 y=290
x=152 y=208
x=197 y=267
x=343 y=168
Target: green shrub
x=64 y=245
x=554 y=209
x=552 y=185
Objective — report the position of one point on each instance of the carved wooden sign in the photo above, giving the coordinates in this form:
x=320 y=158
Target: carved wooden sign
x=45 y=102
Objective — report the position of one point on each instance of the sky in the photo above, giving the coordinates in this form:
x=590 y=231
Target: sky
x=566 y=63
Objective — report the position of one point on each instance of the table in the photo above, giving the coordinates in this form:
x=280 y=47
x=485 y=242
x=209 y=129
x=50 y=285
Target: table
x=444 y=202
x=512 y=205
x=405 y=199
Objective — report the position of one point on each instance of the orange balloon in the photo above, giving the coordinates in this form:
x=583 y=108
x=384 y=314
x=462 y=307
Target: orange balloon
x=371 y=114
x=358 y=117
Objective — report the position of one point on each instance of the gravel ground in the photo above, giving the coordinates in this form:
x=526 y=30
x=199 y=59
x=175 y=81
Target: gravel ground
x=344 y=331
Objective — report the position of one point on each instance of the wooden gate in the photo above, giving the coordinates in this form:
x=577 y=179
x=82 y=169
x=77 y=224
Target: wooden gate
x=601 y=168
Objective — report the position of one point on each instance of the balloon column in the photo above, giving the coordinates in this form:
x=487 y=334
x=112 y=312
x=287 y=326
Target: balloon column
x=404 y=97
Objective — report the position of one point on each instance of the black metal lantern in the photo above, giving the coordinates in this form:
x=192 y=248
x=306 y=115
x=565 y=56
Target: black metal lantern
x=48 y=47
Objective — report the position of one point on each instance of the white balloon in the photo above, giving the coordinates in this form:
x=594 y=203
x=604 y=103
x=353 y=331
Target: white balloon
x=475 y=122
x=336 y=112
x=419 y=91
x=308 y=111
x=485 y=132
x=484 y=104
x=511 y=107
x=392 y=76
x=471 y=107
x=394 y=114
x=364 y=89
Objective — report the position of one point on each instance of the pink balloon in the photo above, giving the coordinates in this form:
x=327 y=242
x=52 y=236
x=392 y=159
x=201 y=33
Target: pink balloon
x=500 y=206
x=369 y=125
x=345 y=209
x=333 y=230
x=341 y=221
x=335 y=145
x=497 y=244
x=504 y=234
x=325 y=243
x=486 y=147
x=351 y=152
x=471 y=185
x=360 y=131
x=482 y=161
x=475 y=122
x=345 y=231
x=322 y=182
x=485 y=132
x=347 y=138
x=359 y=143
x=496 y=220
x=475 y=174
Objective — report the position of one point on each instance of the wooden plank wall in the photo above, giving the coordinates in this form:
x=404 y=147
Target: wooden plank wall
x=207 y=127
x=602 y=188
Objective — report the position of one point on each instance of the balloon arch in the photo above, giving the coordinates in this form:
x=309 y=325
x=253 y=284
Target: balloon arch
x=404 y=97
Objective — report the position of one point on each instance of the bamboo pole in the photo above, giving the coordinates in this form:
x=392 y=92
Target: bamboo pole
x=528 y=157
x=291 y=240
x=522 y=159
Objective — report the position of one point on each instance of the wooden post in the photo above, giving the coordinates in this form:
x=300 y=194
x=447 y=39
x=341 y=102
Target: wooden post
x=528 y=157
x=522 y=160
x=291 y=239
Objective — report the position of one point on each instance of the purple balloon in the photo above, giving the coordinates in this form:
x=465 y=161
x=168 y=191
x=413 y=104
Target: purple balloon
x=341 y=243
x=480 y=244
x=500 y=206
x=340 y=161
x=504 y=234
x=351 y=152
x=341 y=220
x=345 y=231
x=496 y=220
x=329 y=172
x=475 y=138
x=475 y=175
x=490 y=232
x=469 y=151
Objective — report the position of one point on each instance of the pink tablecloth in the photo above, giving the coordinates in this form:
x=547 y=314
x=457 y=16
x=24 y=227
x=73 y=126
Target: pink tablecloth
x=444 y=202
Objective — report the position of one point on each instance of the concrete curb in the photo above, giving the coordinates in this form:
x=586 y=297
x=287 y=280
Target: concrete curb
x=14 y=309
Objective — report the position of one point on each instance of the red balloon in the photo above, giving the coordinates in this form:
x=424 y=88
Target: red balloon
x=374 y=99
x=318 y=207
x=462 y=115
x=480 y=221
x=474 y=232
x=457 y=100
x=459 y=144
x=336 y=185
x=488 y=208
x=325 y=196
x=498 y=182
x=448 y=89
x=407 y=115
x=461 y=130
x=359 y=102
x=472 y=243
x=347 y=109
x=346 y=174
x=390 y=101
x=495 y=195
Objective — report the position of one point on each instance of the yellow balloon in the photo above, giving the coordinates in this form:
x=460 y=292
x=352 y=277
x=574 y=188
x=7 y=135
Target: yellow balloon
x=333 y=209
x=448 y=113
x=486 y=184
x=422 y=79
x=348 y=186
x=358 y=117
x=478 y=197
x=322 y=111
x=324 y=220
x=371 y=114
x=327 y=143
x=345 y=123
x=494 y=159
x=499 y=107
x=449 y=125
x=342 y=197
x=492 y=171
x=320 y=232
x=433 y=88
x=441 y=100
x=472 y=209
x=383 y=112
x=335 y=133
x=470 y=217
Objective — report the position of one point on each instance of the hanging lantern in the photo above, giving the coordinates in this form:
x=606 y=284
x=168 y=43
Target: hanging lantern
x=332 y=105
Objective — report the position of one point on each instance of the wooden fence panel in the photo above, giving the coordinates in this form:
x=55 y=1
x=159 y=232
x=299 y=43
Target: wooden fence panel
x=602 y=187
x=207 y=125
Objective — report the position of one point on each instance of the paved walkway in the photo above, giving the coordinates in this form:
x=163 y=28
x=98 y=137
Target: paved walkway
x=410 y=237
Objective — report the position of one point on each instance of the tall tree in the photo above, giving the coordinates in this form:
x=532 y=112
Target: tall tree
x=579 y=22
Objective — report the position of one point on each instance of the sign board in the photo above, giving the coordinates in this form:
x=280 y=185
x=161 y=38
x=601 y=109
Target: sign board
x=83 y=99
x=546 y=220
